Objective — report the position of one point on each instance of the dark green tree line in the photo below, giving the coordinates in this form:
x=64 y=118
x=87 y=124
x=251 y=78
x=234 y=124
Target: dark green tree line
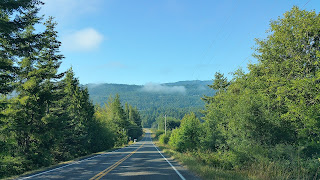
x=125 y=122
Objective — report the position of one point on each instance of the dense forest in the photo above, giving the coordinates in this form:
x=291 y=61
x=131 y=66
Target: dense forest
x=143 y=98
x=50 y=118
x=155 y=104
x=264 y=122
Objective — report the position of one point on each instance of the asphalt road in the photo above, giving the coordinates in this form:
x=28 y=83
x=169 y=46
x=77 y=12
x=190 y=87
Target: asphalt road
x=142 y=160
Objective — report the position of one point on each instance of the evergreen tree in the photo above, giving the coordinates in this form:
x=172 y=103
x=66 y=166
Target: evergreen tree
x=32 y=115
x=15 y=17
x=77 y=118
x=220 y=83
x=135 y=128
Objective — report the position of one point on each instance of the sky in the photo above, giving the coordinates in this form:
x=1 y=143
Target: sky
x=160 y=41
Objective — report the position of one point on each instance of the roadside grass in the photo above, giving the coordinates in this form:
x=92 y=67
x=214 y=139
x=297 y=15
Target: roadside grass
x=202 y=170
x=201 y=164
x=277 y=170
x=256 y=171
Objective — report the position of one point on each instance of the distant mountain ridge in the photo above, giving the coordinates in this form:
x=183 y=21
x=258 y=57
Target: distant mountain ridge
x=182 y=94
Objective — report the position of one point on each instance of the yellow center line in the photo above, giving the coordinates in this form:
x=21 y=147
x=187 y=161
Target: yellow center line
x=110 y=168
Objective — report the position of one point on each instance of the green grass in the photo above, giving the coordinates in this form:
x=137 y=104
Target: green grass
x=256 y=171
x=204 y=171
x=203 y=165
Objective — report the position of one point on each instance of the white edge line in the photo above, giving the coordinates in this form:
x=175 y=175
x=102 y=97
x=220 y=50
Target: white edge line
x=169 y=163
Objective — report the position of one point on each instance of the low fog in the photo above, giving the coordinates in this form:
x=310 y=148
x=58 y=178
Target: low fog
x=159 y=88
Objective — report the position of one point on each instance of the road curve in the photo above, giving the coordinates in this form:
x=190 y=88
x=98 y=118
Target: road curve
x=142 y=160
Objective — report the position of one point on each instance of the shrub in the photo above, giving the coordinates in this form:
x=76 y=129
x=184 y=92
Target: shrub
x=158 y=133
x=187 y=136
x=164 y=139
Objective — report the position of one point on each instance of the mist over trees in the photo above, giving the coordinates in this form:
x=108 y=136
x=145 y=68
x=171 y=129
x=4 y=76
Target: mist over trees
x=155 y=100
x=51 y=118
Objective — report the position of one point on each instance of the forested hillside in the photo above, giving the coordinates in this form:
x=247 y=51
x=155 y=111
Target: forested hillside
x=156 y=100
x=144 y=99
x=50 y=118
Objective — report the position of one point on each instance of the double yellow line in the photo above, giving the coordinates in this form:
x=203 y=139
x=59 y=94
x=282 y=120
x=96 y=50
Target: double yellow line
x=110 y=168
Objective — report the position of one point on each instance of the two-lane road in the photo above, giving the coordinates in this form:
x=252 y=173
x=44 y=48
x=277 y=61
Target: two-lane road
x=141 y=160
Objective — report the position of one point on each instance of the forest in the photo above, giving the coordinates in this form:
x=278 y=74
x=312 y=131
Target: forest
x=264 y=123
x=152 y=105
x=145 y=100
x=47 y=117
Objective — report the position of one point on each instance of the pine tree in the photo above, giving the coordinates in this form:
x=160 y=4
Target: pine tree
x=220 y=84
x=77 y=117
x=33 y=116
x=15 y=17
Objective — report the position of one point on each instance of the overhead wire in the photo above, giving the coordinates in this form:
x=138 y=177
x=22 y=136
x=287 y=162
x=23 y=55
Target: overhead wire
x=205 y=52
x=305 y=4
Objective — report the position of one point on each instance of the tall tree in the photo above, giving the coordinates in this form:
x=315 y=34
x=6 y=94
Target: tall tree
x=15 y=17
x=135 y=128
x=77 y=117
x=38 y=70
x=220 y=83
x=289 y=67
x=276 y=105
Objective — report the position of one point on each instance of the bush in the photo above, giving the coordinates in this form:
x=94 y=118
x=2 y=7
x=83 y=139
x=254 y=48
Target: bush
x=176 y=140
x=187 y=136
x=164 y=139
x=158 y=133
x=11 y=166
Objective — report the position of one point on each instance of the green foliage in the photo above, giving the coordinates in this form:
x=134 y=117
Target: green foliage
x=187 y=136
x=135 y=126
x=15 y=18
x=172 y=123
x=153 y=104
x=154 y=117
x=264 y=123
x=164 y=138
x=220 y=83
x=158 y=134
x=121 y=122
x=271 y=114
x=176 y=140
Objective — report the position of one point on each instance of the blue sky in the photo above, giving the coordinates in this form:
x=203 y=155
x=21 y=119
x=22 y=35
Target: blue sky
x=159 y=41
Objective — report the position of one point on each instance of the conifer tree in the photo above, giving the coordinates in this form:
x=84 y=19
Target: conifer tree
x=15 y=17
x=33 y=116
x=78 y=117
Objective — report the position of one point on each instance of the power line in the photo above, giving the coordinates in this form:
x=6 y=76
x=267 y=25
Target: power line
x=205 y=52
x=306 y=4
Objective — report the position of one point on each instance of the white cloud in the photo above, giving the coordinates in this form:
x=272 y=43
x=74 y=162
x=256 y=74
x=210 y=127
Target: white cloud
x=158 y=88
x=83 y=40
